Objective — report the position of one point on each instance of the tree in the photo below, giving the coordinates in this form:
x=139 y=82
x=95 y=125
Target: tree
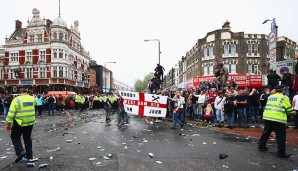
x=141 y=85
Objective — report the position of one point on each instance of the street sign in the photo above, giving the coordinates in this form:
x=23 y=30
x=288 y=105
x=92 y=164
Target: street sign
x=272 y=55
x=272 y=40
x=286 y=65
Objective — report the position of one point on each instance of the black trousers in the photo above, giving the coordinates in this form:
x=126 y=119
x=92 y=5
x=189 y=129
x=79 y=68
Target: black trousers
x=16 y=132
x=280 y=132
x=296 y=119
x=39 y=110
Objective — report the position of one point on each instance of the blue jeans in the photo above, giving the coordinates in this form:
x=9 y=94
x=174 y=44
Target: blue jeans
x=242 y=114
x=176 y=119
x=51 y=108
x=122 y=114
x=195 y=110
x=5 y=112
x=231 y=120
x=182 y=115
x=220 y=115
x=254 y=111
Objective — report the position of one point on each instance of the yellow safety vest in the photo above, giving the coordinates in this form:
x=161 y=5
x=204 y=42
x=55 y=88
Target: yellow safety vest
x=77 y=98
x=277 y=108
x=95 y=98
x=22 y=110
x=100 y=99
x=82 y=99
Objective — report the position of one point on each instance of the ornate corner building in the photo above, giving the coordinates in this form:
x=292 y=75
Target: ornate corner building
x=45 y=56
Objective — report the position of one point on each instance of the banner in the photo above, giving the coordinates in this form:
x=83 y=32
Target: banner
x=143 y=104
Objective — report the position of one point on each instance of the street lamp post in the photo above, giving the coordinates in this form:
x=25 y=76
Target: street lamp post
x=272 y=40
x=105 y=78
x=159 y=52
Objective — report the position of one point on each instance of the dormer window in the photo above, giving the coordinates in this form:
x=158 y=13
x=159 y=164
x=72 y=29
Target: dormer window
x=55 y=36
x=61 y=36
x=32 y=38
x=39 y=38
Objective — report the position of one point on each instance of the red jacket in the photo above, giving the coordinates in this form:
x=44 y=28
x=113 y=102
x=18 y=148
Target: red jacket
x=212 y=96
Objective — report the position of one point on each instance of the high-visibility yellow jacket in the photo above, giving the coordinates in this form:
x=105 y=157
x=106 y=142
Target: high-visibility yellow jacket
x=77 y=98
x=277 y=107
x=22 y=110
x=82 y=100
x=113 y=99
x=95 y=98
x=100 y=98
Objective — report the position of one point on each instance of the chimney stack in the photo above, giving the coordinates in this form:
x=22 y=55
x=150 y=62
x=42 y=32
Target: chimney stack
x=18 y=24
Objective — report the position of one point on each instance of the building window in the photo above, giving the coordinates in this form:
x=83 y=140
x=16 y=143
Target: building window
x=42 y=72
x=29 y=56
x=54 y=71
x=61 y=36
x=31 y=38
x=39 y=38
x=65 y=73
x=55 y=53
x=28 y=72
x=65 y=37
x=230 y=50
x=231 y=68
x=79 y=76
x=211 y=51
x=14 y=57
x=211 y=70
x=55 y=36
x=14 y=73
x=42 y=55
x=206 y=70
x=60 y=71
x=253 y=48
x=60 y=53
x=252 y=68
x=233 y=49
x=206 y=53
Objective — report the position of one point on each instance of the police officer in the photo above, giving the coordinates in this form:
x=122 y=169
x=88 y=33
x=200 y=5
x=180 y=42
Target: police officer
x=20 y=120
x=275 y=119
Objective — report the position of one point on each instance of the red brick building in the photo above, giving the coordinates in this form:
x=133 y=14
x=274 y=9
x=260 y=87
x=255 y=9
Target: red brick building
x=45 y=56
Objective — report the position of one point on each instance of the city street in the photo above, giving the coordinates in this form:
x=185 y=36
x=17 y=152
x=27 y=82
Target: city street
x=194 y=148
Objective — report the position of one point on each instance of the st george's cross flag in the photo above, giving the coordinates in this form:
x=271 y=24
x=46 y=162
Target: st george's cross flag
x=144 y=104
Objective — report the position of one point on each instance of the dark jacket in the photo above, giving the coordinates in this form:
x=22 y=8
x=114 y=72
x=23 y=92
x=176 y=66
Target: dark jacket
x=286 y=79
x=273 y=79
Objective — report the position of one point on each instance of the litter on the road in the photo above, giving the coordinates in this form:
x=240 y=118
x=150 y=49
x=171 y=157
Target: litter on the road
x=144 y=140
x=222 y=156
x=51 y=158
x=214 y=143
x=98 y=163
x=8 y=149
x=84 y=132
x=43 y=165
x=195 y=135
x=92 y=159
x=224 y=166
x=204 y=143
x=33 y=160
x=159 y=162
x=98 y=147
x=134 y=136
x=30 y=164
x=123 y=143
x=125 y=147
x=105 y=157
x=151 y=155
x=68 y=141
x=102 y=150
x=138 y=151
x=3 y=157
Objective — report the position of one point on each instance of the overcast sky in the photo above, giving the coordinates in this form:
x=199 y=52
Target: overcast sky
x=115 y=30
